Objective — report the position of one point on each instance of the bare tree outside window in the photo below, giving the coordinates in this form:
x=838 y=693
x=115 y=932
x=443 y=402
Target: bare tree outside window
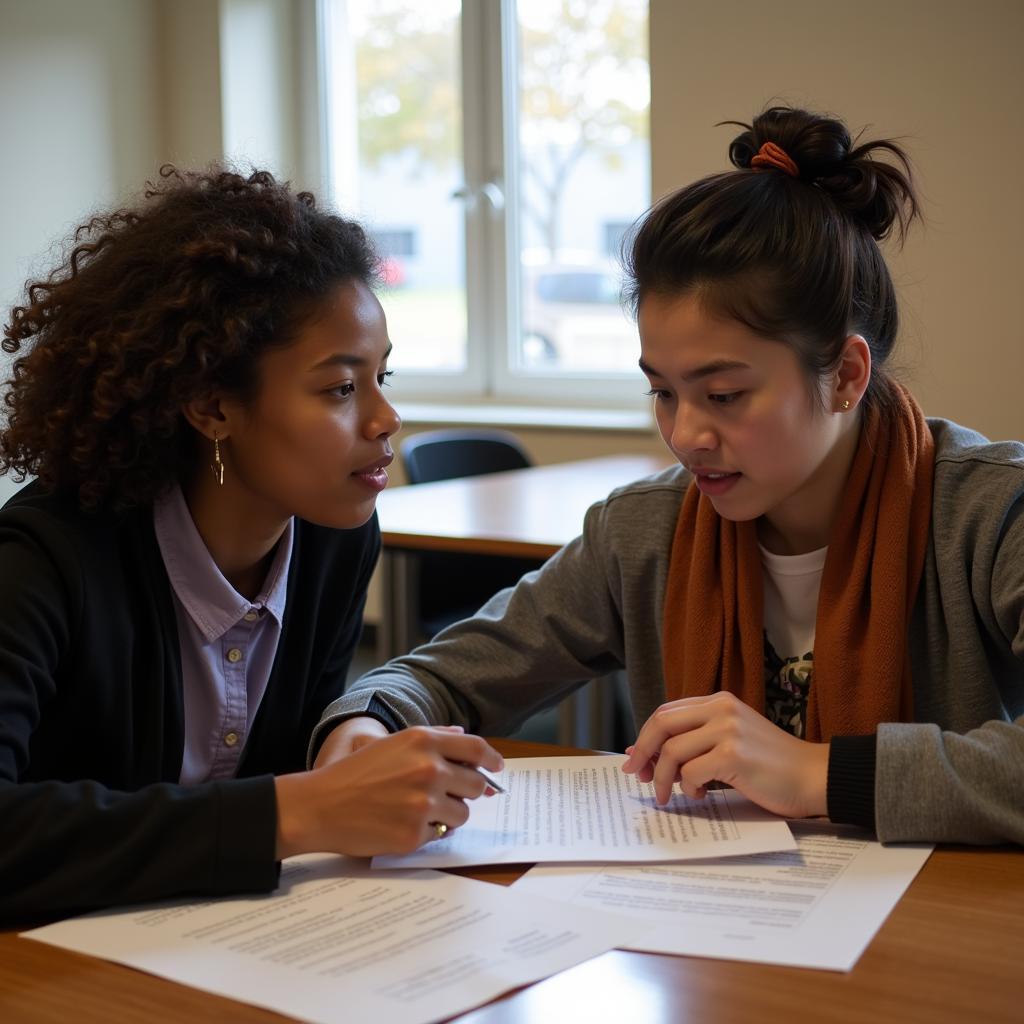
x=581 y=87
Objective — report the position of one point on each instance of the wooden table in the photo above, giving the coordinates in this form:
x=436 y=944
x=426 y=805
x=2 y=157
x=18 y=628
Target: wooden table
x=524 y=513
x=951 y=951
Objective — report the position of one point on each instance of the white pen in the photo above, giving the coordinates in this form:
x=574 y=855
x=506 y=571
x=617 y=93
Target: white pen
x=496 y=786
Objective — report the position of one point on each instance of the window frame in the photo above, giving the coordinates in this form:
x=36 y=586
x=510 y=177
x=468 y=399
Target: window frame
x=488 y=86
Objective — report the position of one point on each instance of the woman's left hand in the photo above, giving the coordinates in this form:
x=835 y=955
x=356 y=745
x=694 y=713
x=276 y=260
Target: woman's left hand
x=718 y=737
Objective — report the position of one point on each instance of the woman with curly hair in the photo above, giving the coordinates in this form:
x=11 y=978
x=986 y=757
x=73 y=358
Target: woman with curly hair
x=823 y=604
x=198 y=391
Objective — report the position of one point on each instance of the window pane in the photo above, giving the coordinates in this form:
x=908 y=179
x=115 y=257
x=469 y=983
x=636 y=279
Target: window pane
x=398 y=169
x=583 y=160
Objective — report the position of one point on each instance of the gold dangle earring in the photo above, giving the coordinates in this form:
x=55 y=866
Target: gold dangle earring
x=217 y=466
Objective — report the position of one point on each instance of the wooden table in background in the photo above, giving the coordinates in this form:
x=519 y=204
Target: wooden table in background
x=524 y=513
x=951 y=951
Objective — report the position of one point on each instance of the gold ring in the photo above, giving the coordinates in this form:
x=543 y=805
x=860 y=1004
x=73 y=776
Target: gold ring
x=440 y=829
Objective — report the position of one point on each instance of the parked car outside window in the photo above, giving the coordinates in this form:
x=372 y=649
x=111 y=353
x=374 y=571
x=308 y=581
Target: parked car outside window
x=573 y=319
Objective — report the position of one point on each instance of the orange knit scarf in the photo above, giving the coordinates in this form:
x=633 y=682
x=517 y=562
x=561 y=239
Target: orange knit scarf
x=713 y=619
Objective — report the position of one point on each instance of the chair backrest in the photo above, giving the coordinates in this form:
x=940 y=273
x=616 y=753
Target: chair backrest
x=444 y=454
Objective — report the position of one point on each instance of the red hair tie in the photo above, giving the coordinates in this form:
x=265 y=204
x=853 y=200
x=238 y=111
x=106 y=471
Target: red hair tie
x=770 y=155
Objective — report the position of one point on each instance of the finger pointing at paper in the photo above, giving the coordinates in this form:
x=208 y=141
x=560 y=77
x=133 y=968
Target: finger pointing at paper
x=718 y=738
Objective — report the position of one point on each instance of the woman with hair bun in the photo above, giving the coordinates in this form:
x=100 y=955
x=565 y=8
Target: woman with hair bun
x=823 y=605
x=198 y=391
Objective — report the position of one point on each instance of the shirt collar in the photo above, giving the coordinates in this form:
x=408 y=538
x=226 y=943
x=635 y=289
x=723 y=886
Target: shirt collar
x=208 y=598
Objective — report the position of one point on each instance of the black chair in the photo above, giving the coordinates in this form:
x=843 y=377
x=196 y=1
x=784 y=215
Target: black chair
x=452 y=586
x=446 y=454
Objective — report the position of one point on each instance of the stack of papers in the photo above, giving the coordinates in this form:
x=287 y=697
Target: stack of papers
x=818 y=906
x=559 y=809
x=341 y=940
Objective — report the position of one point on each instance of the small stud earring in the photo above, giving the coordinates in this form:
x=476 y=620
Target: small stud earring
x=846 y=405
x=217 y=466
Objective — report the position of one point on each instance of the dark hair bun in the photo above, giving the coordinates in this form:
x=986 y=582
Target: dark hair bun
x=877 y=194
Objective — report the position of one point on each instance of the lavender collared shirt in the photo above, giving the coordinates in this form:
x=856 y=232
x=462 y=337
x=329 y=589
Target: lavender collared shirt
x=228 y=643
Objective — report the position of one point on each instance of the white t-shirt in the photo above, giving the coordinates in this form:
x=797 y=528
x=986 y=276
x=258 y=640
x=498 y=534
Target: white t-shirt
x=791 y=586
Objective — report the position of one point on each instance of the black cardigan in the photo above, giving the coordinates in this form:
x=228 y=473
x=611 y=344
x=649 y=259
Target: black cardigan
x=91 y=711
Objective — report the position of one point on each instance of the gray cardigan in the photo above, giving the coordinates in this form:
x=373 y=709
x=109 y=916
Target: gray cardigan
x=956 y=774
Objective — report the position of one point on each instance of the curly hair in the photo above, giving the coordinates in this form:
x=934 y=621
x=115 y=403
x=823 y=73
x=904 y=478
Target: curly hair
x=157 y=305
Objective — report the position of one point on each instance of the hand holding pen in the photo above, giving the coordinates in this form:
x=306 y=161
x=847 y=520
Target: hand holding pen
x=493 y=787
x=371 y=792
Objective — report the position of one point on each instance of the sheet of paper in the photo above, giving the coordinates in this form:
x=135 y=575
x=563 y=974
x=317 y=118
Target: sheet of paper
x=587 y=809
x=818 y=906
x=338 y=942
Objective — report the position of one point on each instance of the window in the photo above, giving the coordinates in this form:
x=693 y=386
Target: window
x=614 y=234
x=395 y=242
x=397 y=250
x=498 y=151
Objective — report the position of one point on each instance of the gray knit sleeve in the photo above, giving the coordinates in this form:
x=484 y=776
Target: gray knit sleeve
x=967 y=786
x=525 y=649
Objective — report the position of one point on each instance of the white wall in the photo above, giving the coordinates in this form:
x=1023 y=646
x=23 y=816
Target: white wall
x=947 y=76
x=257 y=75
x=188 y=53
x=239 y=81
x=80 y=122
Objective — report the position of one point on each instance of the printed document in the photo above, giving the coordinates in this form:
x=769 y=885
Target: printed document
x=588 y=809
x=817 y=906
x=340 y=943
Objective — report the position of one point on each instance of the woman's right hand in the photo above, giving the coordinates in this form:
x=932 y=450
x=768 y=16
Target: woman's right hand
x=384 y=796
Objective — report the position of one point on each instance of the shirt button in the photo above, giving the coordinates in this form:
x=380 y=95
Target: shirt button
x=251 y=616
x=231 y=739
x=234 y=655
